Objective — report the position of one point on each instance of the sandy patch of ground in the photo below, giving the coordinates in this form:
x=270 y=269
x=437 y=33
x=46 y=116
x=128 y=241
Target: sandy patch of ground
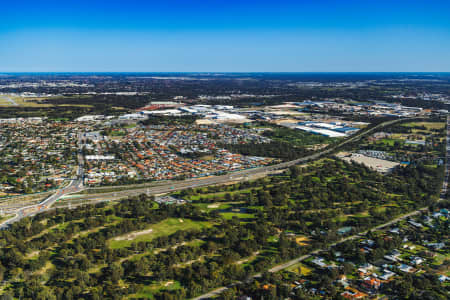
x=278 y=122
x=32 y=254
x=302 y=240
x=239 y=262
x=317 y=147
x=205 y=122
x=286 y=112
x=48 y=265
x=86 y=232
x=234 y=121
x=215 y=205
x=132 y=235
x=168 y=283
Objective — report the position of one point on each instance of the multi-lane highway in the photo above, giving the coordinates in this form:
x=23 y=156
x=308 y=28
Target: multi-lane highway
x=243 y=175
x=76 y=185
x=283 y=266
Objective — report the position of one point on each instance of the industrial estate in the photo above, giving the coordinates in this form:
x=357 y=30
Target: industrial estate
x=224 y=186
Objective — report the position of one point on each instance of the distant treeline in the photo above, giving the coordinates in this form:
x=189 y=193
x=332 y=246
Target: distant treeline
x=275 y=149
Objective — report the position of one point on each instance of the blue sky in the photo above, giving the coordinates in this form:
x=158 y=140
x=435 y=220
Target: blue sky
x=225 y=36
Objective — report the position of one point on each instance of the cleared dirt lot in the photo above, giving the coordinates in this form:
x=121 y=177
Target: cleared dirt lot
x=380 y=165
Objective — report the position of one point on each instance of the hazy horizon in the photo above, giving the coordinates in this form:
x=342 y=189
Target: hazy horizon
x=231 y=36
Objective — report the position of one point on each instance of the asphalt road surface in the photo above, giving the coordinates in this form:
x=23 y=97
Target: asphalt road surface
x=74 y=186
x=286 y=265
x=13 y=103
x=243 y=175
x=218 y=291
x=77 y=185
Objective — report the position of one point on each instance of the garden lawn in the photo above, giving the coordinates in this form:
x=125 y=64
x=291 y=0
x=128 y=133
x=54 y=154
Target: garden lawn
x=230 y=215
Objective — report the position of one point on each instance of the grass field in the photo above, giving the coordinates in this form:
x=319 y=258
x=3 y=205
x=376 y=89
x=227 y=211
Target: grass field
x=215 y=206
x=207 y=157
x=18 y=101
x=230 y=215
x=148 y=291
x=6 y=217
x=389 y=142
x=428 y=125
x=164 y=228
x=298 y=137
x=218 y=194
x=4 y=102
x=299 y=269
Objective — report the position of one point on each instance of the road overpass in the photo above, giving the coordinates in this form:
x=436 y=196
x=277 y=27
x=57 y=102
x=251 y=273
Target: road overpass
x=171 y=186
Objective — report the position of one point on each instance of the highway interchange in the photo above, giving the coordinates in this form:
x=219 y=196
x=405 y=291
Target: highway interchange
x=244 y=175
x=76 y=185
